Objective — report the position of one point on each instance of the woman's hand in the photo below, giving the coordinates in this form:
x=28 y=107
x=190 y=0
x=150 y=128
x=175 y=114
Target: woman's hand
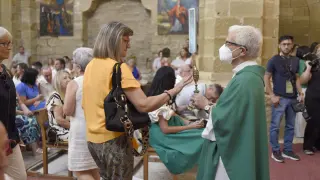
x=196 y=125
x=185 y=81
x=40 y=97
x=27 y=112
x=36 y=104
x=308 y=65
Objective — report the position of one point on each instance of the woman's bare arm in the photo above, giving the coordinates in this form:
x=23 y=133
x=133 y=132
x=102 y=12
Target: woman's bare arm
x=58 y=114
x=23 y=107
x=28 y=102
x=144 y=103
x=70 y=99
x=163 y=123
x=306 y=75
x=151 y=103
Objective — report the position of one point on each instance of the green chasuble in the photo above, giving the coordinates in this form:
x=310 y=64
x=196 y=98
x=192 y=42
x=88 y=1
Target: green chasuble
x=240 y=127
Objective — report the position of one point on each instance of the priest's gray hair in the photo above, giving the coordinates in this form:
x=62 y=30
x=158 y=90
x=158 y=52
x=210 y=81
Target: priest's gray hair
x=3 y=32
x=248 y=36
x=82 y=56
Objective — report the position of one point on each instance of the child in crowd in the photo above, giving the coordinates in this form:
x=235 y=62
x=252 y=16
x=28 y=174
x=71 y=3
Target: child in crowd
x=178 y=142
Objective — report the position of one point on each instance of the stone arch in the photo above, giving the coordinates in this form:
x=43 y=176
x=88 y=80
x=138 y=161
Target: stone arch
x=295 y=20
x=130 y=12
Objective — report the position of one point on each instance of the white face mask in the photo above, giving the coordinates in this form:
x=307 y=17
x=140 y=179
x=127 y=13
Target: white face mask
x=225 y=54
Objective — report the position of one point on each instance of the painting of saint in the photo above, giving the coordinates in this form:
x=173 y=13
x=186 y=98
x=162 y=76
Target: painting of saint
x=173 y=16
x=56 y=17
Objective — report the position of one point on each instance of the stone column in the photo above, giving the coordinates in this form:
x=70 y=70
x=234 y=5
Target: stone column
x=270 y=29
x=314 y=31
x=28 y=27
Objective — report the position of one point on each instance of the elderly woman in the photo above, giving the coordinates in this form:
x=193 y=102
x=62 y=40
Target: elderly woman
x=80 y=160
x=58 y=121
x=15 y=168
x=112 y=151
x=29 y=91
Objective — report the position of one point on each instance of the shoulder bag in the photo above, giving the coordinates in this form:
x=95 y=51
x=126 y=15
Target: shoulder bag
x=121 y=115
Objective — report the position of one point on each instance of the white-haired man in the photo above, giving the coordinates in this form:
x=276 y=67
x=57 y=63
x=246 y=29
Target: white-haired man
x=236 y=134
x=45 y=82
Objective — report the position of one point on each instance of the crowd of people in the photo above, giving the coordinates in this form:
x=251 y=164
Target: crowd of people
x=222 y=120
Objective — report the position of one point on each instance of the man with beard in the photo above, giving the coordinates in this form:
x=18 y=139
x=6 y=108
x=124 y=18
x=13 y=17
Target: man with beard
x=283 y=69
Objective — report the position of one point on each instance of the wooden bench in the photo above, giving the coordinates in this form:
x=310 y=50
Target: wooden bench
x=42 y=118
x=150 y=152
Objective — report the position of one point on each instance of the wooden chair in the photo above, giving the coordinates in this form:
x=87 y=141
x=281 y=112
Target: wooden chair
x=42 y=118
x=150 y=152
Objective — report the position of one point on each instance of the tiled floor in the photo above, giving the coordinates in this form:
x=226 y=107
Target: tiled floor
x=306 y=169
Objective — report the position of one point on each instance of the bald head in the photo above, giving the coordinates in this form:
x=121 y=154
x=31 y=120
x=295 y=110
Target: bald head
x=47 y=74
x=185 y=70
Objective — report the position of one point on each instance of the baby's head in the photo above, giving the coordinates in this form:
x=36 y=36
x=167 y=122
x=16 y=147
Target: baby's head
x=213 y=92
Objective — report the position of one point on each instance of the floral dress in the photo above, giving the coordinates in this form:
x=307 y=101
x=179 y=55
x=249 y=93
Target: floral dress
x=28 y=128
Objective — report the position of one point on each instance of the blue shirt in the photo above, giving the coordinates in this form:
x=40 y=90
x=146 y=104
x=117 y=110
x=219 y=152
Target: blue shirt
x=30 y=93
x=279 y=67
x=135 y=73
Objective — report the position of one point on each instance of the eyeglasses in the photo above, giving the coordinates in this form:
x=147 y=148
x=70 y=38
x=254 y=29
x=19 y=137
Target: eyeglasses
x=235 y=44
x=6 y=44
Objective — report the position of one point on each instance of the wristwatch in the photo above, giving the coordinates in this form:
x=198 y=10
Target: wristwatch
x=207 y=108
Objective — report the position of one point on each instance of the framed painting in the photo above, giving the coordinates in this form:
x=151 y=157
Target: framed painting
x=173 y=16
x=56 y=17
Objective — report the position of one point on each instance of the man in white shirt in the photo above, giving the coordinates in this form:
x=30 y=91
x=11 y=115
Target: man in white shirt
x=59 y=64
x=21 y=57
x=45 y=83
x=211 y=92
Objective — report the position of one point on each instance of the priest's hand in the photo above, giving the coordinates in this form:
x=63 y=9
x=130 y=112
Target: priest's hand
x=275 y=100
x=199 y=101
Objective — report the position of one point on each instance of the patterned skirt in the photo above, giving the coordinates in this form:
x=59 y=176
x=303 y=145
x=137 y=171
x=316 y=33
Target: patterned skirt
x=114 y=158
x=28 y=128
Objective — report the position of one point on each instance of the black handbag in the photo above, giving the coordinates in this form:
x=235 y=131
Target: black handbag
x=121 y=115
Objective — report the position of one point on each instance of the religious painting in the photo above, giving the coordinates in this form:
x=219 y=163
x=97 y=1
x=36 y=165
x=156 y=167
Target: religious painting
x=173 y=16
x=56 y=17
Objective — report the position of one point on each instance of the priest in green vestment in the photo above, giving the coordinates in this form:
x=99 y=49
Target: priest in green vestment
x=236 y=146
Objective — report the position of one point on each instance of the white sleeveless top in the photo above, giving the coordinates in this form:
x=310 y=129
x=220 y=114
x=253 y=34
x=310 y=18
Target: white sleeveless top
x=79 y=157
x=79 y=114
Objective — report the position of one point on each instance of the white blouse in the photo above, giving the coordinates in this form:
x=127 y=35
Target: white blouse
x=165 y=111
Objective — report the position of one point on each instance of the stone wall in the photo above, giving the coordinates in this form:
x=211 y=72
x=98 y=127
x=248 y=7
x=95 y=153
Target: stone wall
x=314 y=33
x=220 y=15
x=47 y=47
x=215 y=16
x=131 y=13
x=295 y=20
